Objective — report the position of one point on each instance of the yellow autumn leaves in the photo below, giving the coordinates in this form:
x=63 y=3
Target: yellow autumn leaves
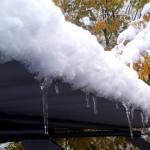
x=143 y=67
x=111 y=25
x=103 y=16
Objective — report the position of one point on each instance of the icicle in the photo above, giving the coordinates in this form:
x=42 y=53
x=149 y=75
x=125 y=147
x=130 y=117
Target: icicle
x=44 y=87
x=132 y=112
x=117 y=107
x=95 y=104
x=143 y=121
x=126 y=106
x=56 y=88
x=144 y=118
x=87 y=100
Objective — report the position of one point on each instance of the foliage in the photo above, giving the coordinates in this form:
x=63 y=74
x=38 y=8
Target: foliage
x=142 y=66
x=15 y=146
x=104 y=16
x=135 y=8
x=138 y=4
x=95 y=143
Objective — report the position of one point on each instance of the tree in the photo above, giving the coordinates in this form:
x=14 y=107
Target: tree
x=105 y=19
x=137 y=6
x=141 y=29
x=95 y=143
x=14 y=146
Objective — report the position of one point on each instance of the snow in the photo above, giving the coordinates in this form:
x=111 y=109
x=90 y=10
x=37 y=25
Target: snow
x=36 y=34
x=4 y=145
x=132 y=51
x=138 y=37
x=86 y=20
x=127 y=34
x=146 y=9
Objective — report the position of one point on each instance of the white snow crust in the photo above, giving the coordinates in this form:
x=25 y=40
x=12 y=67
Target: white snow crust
x=35 y=33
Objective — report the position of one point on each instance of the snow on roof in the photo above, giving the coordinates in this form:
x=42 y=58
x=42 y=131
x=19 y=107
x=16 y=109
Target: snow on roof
x=36 y=34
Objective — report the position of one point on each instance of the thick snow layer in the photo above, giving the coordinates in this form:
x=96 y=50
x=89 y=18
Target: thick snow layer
x=36 y=34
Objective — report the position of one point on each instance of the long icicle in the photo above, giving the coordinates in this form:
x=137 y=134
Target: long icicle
x=144 y=118
x=56 y=88
x=132 y=112
x=95 y=104
x=117 y=107
x=126 y=106
x=44 y=87
x=87 y=96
